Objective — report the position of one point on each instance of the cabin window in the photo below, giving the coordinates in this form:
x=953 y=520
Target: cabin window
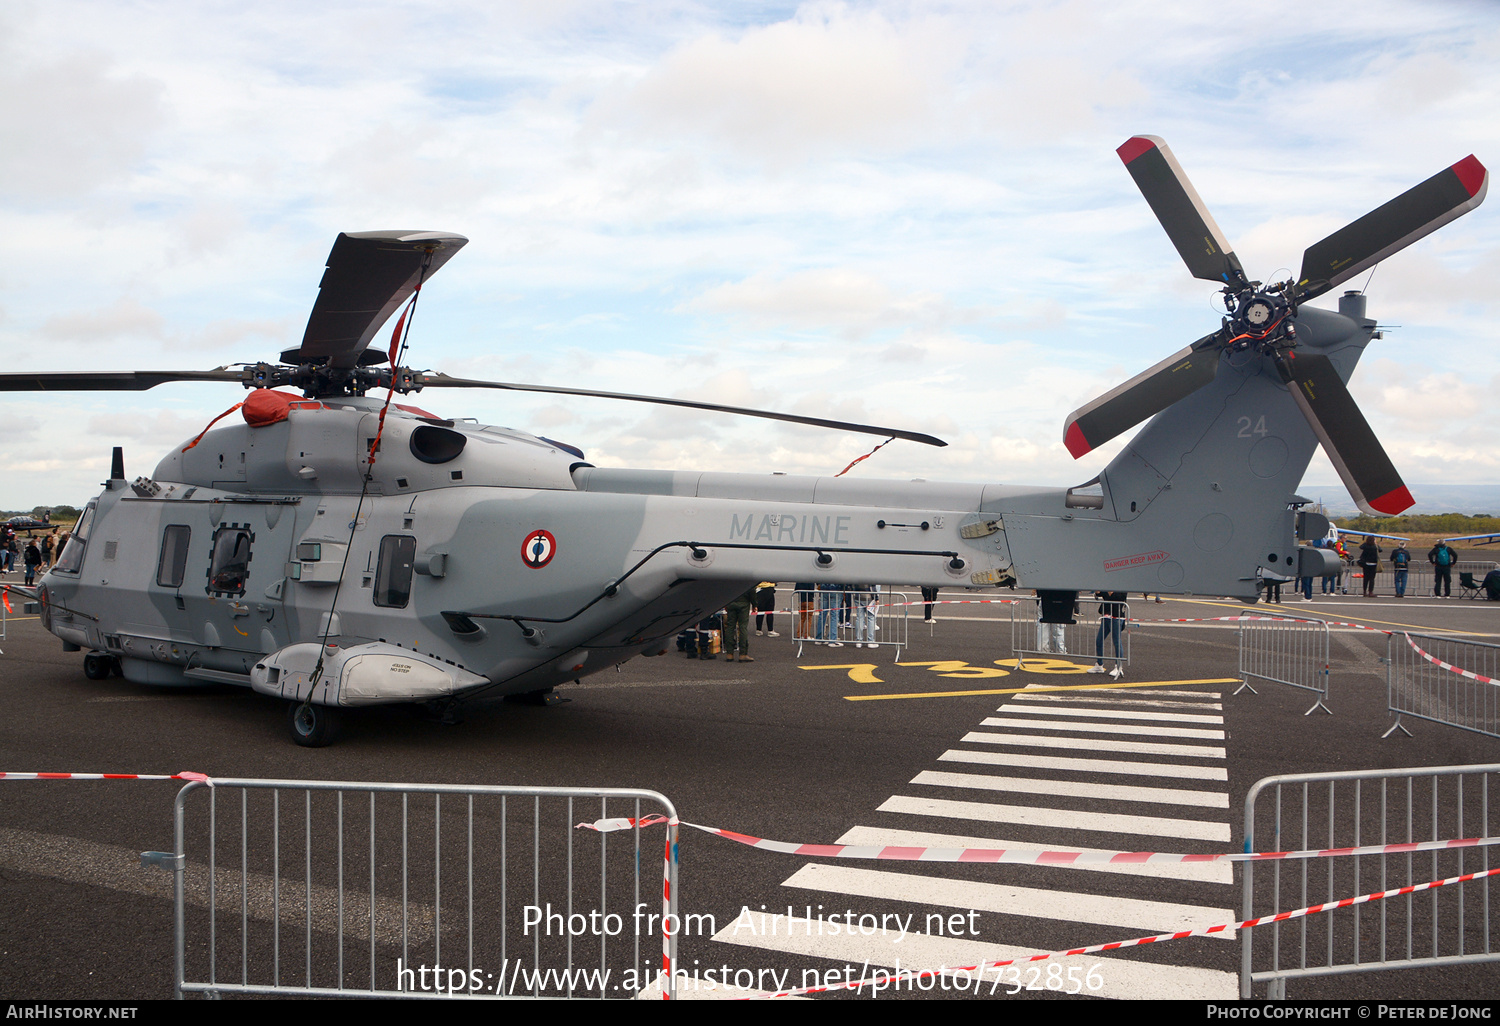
x=230 y=566
x=171 y=567
x=393 y=570
x=72 y=553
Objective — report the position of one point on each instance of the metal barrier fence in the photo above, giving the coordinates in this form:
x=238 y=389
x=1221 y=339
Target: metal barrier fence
x=1419 y=581
x=1282 y=650
x=318 y=888
x=1445 y=926
x=872 y=619
x=1444 y=680
x=1080 y=640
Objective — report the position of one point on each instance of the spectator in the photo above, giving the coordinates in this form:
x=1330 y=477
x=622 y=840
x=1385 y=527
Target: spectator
x=33 y=560
x=737 y=628
x=765 y=609
x=806 y=596
x=1401 y=563
x=1111 y=622
x=1442 y=557
x=866 y=599
x=1369 y=562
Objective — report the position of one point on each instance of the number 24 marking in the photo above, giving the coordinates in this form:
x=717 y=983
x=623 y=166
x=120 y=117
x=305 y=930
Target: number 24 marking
x=1248 y=429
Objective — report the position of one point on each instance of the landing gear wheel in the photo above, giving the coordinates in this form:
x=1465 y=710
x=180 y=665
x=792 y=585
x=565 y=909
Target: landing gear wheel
x=312 y=726
x=98 y=666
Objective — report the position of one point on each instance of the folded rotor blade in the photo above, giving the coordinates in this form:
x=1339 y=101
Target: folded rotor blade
x=430 y=380
x=1361 y=461
x=127 y=381
x=1142 y=397
x=369 y=275
x=1181 y=212
x=1362 y=244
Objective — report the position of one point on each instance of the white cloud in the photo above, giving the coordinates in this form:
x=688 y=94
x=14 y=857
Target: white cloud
x=830 y=80
x=123 y=319
x=847 y=302
x=71 y=122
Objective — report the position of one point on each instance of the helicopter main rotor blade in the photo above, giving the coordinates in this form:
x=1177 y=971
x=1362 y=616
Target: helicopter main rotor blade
x=1142 y=397
x=1357 y=454
x=369 y=275
x=1181 y=212
x=1361 y=244
x=445 y=381
x=127 y=381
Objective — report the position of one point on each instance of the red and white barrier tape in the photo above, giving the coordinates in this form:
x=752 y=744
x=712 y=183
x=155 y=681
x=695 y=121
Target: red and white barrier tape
x=1032 y=856
x=980 y=967
x=1281 y=619
x=1449 y=666
x=184 y=775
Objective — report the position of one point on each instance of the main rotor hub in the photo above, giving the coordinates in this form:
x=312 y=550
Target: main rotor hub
x=1259 y=318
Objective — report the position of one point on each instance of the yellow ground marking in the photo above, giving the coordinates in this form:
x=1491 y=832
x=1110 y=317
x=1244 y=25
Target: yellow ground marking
x=1046 y=687
x=1259 y=609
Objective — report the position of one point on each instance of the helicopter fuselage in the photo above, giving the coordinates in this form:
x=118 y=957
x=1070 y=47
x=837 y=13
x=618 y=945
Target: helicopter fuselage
x=471 y=559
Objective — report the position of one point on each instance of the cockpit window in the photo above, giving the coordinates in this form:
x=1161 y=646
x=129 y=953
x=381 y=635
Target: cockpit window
x=72 y=553
x=230 y=566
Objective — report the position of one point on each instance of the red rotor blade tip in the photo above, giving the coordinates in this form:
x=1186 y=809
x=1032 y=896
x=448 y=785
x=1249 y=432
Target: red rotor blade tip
x=1393 y=502
x=1076 y=443
x=1471 y=173
x=1136 y=145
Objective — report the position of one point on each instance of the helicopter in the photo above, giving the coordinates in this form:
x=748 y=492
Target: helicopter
x=339 y=549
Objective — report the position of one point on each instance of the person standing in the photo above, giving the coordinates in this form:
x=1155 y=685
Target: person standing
x=1401 y=563
x=1442 y=557
x=929 y=596
x=1050 y=637
x=1369 y=562
x=765 y=609
x=806 y=595
x=1111 y=622
x=33 y=560
x=866 y=599
x=737 y=628
x=829 y=599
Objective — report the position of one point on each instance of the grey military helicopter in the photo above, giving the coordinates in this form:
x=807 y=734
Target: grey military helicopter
x=337 y=549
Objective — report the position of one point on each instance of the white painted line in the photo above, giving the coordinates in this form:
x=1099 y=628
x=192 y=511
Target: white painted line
x=1113 y=700
x=1076 y=789
x=1058 y=762
x=1105 y=728
x=1124 y=691
x=1064 y=819
x=1124 y=979
x=1094 y=745
x=1007 y=899
x=1114 y=714
x=1200 y=872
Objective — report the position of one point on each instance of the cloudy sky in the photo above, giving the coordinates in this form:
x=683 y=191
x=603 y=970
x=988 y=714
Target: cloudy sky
x=905 y=213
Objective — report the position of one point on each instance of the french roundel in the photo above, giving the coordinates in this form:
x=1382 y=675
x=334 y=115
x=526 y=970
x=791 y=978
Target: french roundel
x=538 y=548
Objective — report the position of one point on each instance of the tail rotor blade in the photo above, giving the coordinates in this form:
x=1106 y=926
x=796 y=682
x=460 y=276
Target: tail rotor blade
x=1362 y=244
x=1178 y=207
x=1142 y=397
x=1356 y=453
